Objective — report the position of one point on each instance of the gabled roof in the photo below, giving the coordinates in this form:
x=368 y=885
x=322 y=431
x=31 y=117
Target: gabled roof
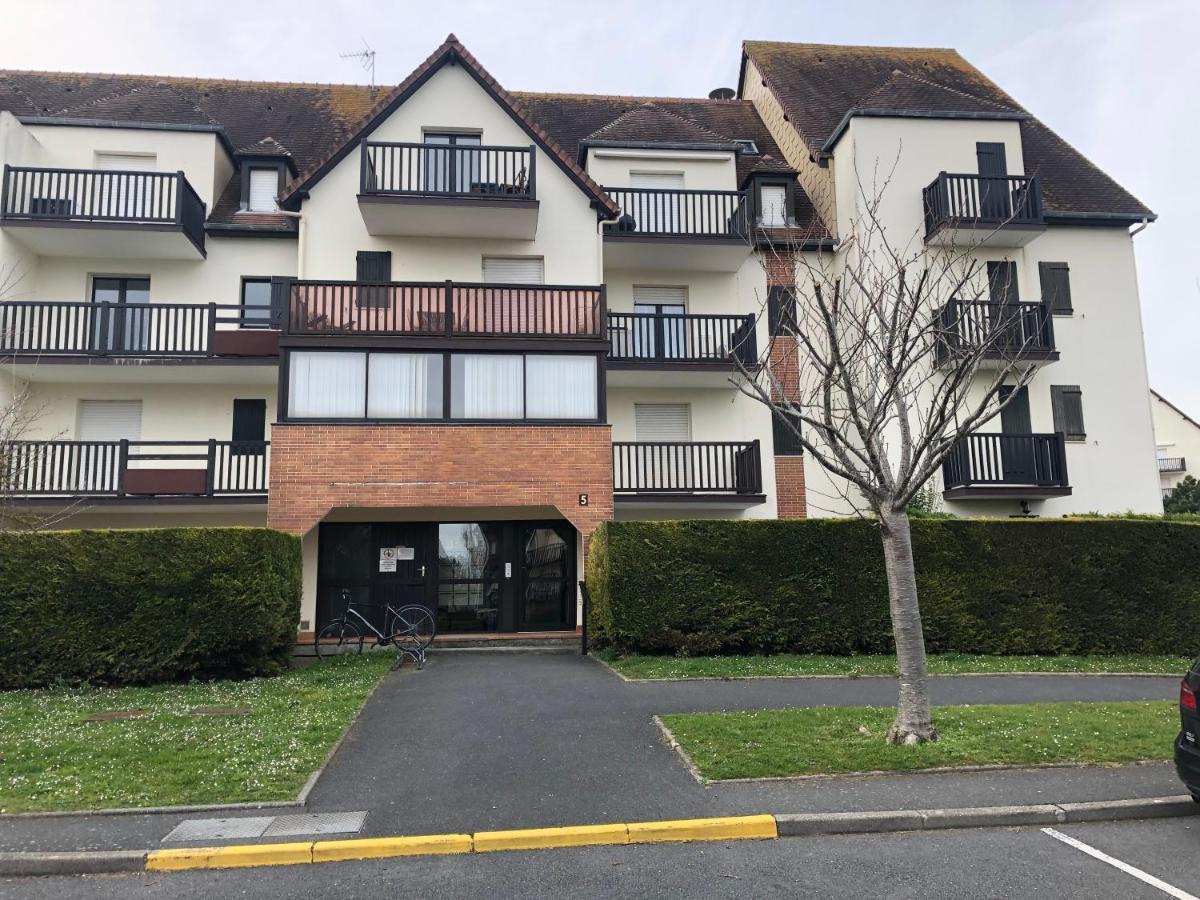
x=820 y=85
x=450 y=51
x=650 y=123
x=1161 y=399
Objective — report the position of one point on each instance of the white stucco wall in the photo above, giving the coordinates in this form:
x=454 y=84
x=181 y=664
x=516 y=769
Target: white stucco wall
x=702 y=170
x=1175 y=435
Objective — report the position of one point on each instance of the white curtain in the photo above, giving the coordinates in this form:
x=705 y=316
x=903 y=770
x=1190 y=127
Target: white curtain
x=560 y=387
x=486 y=386
x=326 y=385
x=404 y=386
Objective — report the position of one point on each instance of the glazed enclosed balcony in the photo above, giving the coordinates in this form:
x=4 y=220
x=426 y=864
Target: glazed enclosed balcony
x=431 y=314
x=102 y=214
x=667 y=228
x=454 y=189
x=1023 y=466
x=670 y=473
x=1001 y=331
x=971 y=210
x=666 y=349
x=136 y=470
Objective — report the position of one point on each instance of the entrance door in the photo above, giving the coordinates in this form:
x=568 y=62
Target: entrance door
x=401 y=568
x=1016 y=445
x=546 y=600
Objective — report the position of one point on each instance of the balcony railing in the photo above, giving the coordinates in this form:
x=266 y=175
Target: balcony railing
x=1007 y=460
x=960 y=201
x=123 y=329
x=84 y=196
x=1001 y=329
x=1172 y=464
x=661 y=338
x=448 y=309
x=669 y=213
x=119 y=468
x=448 y=170
x=686 y=468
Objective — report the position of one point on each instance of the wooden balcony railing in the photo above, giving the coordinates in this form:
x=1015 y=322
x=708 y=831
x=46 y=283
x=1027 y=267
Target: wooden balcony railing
x=660 y=338
x=665 y=212
x=449 y=309
x=447 y=170
x=1002 y=460
x=122 y=329
x=686 y=468
x=1002 y=329
x=1172 y=464
x=83 y=196
x=961 y=201
x=118 y=468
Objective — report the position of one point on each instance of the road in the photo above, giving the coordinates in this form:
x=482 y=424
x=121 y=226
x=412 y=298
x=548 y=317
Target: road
x=1024 y=862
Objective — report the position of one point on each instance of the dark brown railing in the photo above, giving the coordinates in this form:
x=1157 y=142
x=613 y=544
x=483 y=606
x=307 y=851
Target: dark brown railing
x=117 y=468
x=686 y=467
x=1002 y=329
x=678 y=213
x=982 y=200
x=1172 y=464
x=447 y=170
x=119 y=329
x=450 y=309
x=998 y=460
x=41 y=194
x=652 y=337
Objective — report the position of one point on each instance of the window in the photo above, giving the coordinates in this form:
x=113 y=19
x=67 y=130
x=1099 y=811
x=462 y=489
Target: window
x=110 y=420
x=781 y=310
x=451 y=165
x=659 y=311
x=1056 y=287
x=487 y=386
x=783 y=437
x=514 y=270
x=404 y=386
x=1066 y=403
x=373 y=267
x=330 y=385
x=249 y=427
x=126 y=326
x=746 y=146
x=256 y=302
x=662 y=422
x=264 y=185
x=560 y=387
x=773 y=210
x=125 y=196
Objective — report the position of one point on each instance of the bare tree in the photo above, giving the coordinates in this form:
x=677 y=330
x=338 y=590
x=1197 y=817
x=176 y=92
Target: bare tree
x=891 y=365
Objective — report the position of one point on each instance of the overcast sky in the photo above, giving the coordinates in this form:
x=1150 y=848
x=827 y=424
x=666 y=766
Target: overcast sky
x=1118 y=80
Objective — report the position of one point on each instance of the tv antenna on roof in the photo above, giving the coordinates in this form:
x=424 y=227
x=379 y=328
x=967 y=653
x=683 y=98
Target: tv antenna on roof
x=366 y=59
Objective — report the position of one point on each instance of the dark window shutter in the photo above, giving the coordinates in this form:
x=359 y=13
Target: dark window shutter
x=781 y=308
x=281 y=295
x=1066 y=403
x=1056 y=287
x=991 y=159
x=249 y=425
x=785 y=441
x=1002 y=282
x=374 y=267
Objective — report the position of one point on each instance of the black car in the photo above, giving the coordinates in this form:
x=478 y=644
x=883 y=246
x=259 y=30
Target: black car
x=1187 y=745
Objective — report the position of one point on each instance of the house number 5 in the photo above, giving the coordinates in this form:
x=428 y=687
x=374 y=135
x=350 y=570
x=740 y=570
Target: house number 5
x=583 y=499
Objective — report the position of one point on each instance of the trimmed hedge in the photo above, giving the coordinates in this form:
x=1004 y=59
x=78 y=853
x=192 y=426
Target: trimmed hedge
x=990 y=586
x=141 y=606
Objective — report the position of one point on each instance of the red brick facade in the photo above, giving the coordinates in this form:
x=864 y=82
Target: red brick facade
x=315 y=468
x=790 y=496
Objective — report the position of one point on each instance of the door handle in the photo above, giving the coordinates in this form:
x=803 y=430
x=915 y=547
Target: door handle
x=422 y=571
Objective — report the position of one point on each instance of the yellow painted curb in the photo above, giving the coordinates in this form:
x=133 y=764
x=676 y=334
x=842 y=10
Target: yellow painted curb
x=379 y=848
x=232 y=857
x=540 y=838
x=731 y=828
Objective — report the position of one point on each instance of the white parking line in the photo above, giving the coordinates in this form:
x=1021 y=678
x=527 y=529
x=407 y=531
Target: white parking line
x=1149 y=879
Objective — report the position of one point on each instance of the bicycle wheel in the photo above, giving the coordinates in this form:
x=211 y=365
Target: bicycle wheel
x=413 y=627
x=337 y=638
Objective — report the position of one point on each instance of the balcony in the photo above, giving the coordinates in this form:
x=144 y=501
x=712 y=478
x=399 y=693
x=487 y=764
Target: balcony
x=42 y=332
x=671 y=473
x=133 y=470
x=969 y=210
x=679 y=229
x=1005 y=331
x=94 y=213
x=427 y=314
x=1172 y=465
x=1025 y=466
x=444 y=190
x=683 y=350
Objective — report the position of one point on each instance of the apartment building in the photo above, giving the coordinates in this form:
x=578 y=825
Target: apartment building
x=442 y=330
x=1176 y=441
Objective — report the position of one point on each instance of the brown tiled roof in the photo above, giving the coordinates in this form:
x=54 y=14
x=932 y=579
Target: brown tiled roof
x=152 y=102
x=651 y=123
x=268 y=146
x=818 y=84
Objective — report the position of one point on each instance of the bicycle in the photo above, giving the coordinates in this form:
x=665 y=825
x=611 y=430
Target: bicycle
x=410 y=629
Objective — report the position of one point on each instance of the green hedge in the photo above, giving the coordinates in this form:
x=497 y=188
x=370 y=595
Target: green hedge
x=818 y=586
x=140 y=606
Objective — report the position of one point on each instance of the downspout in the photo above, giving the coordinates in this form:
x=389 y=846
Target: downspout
x=301 y=243
x=1140 y=228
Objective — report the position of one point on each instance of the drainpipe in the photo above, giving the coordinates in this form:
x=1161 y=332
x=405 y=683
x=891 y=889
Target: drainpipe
x=1140 y=228
x=300 y=239
x=600 y=223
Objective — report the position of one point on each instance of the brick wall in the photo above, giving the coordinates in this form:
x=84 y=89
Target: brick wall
x=315 y=468
x=783 y=361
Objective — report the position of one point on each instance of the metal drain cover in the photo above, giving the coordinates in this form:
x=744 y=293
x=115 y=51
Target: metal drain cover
x=219 y=829
x=316 y=823
x=266 y=826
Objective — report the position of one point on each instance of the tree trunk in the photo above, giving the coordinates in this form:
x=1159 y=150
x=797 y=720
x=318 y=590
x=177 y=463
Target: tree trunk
x=913 y=723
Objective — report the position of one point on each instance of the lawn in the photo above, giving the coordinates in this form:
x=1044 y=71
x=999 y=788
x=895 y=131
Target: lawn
x=786 y=664
x=827 y=740
x=51 y=759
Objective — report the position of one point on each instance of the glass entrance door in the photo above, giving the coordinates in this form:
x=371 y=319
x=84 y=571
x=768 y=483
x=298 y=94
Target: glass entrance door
x=122 y=323
x=547 y=586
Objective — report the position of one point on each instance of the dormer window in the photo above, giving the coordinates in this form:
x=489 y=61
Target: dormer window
x=263 y=188
x=746 y=147
x=774 y=205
